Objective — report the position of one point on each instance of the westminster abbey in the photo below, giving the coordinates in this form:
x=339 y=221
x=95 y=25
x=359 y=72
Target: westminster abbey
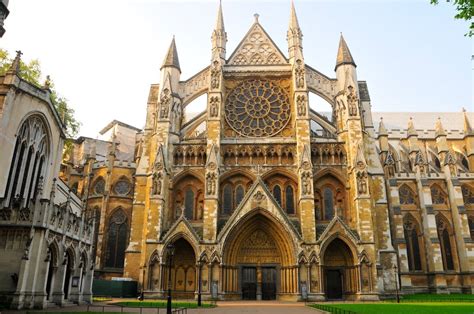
x=264 y=197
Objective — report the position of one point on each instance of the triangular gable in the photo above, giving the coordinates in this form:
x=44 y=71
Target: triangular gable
x=182 y=226
x=258 y=198
x=337 y=225
x=257 y=48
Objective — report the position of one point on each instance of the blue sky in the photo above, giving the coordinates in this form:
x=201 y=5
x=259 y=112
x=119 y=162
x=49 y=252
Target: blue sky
x=103 y=55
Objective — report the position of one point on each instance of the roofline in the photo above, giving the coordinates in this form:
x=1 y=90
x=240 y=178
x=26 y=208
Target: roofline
x=114 y=122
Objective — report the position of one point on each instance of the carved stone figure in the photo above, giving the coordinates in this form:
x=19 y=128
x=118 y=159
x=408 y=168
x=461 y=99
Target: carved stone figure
x=165 y=101
x=211 y=183
x=301 y=105
x=214 y=106
x=215 y=75
x=299 y=74
x=362 y=182
x=306 y=182
x=157 y=184
x=352 y=101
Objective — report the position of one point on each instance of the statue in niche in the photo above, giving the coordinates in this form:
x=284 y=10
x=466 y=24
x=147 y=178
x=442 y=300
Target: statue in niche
x=165 y=101
x=301 y=105
x=362 y=182
x=352 y=101
x=299 y=74
x=214 y=108
x=306 y=181
x=211 y=183
x=157 y=184
x=215 y=75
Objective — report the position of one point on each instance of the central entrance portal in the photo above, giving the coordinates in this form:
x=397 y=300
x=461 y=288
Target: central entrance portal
x=259 y=282
x=334 y=284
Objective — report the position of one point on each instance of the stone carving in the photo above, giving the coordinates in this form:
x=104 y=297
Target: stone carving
x=299 y=74
x=157 y=183
x=165 y=102
x=256 y=49
x=215 y=75
x=214 y=106
x=352 y=101
x=361 y=178
x=301 y=105
x=259 y=196
x=259 y=247
x=211 y=183
x=306 y=182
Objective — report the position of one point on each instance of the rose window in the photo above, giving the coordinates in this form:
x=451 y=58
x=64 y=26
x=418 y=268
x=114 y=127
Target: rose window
x=257 y=108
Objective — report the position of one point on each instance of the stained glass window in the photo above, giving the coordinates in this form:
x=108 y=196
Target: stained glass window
x=328 y=204
x=117 y=238
x=467 y=195
x=290 y=200
x=227 y=206
x=406 y=195
x=239 y=195
x=437 y=196
x=277 y=194
x=189 y=204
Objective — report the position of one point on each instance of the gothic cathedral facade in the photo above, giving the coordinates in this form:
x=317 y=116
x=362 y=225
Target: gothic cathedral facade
x=264 y=197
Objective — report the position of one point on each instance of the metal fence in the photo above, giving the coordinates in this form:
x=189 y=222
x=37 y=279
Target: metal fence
x=134 y=309
x=331 y=309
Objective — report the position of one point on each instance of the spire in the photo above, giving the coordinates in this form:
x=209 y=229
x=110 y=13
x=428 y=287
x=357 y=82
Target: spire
x=15 y=67
x=294 y=35
x=171 y=59
x=294 y=25
x=220 y=18
x=382 y=129
x=411 y=128
x=439 y=128
x=467 y=125
x=343 y=54
x=219 y=36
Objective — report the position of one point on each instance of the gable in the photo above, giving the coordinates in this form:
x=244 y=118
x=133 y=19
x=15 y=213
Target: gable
x=257 y=48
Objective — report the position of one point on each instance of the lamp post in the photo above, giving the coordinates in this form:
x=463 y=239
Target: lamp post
x=199 y=281
x=170 y=250
x=396 y=282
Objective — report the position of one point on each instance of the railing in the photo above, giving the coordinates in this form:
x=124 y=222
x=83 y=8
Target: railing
x=331 y=309
x=133 y=309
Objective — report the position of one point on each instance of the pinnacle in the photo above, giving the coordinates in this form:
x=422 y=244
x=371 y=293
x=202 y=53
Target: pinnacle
x=467 y=124
x=382 y=129
x=411 y=128
x=293 y=18
x=343 y=54
x=220 y=18
x=15 y=67
x=439 y=128
x=171 y=59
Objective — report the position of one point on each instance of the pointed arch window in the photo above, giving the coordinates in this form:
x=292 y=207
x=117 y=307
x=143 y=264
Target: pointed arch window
x=328 y=196
x=189 y=204
x=437 y=196
x=99 y=186
x=471 y=227
x=445 y=243
x=27 y=167
x=406 y=195
x=239 y=195
x=290 y=200
x=467 y=195
x=277 y=194
x=413 y=244
x=117 y=238
x=227 y=206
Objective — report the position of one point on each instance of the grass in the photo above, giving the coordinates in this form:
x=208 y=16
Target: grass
x=457 y=297
x=162 y=304
x=412 y=308
x=41 y=312
x=101 y=299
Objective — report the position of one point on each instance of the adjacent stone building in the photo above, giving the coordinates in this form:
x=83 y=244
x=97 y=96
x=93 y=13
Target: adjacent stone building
x=45 y=235
x=3 y=15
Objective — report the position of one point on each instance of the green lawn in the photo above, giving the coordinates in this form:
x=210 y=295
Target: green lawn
x=408 y=308
x=162 y=304
x=439 y=297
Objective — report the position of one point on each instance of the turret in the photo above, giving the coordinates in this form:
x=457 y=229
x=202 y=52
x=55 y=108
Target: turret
x=170 y=67
x=345 y=65
x=219 y=37
x=294 y=37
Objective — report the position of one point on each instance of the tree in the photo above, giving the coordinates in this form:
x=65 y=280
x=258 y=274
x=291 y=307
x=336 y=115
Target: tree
x=31 y=72
x=465 y=9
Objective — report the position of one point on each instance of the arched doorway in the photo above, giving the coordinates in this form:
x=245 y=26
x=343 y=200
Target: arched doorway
x=69 y=268
x=52 y=258
x=259 y=261
x=340 y=273
x=183 y=270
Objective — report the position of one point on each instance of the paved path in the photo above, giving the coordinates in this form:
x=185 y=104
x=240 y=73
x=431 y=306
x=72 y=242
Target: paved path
x=227 y=307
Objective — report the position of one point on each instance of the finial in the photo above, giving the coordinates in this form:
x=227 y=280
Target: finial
x=47 y=82
x=256 y=16
x=15 y=67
